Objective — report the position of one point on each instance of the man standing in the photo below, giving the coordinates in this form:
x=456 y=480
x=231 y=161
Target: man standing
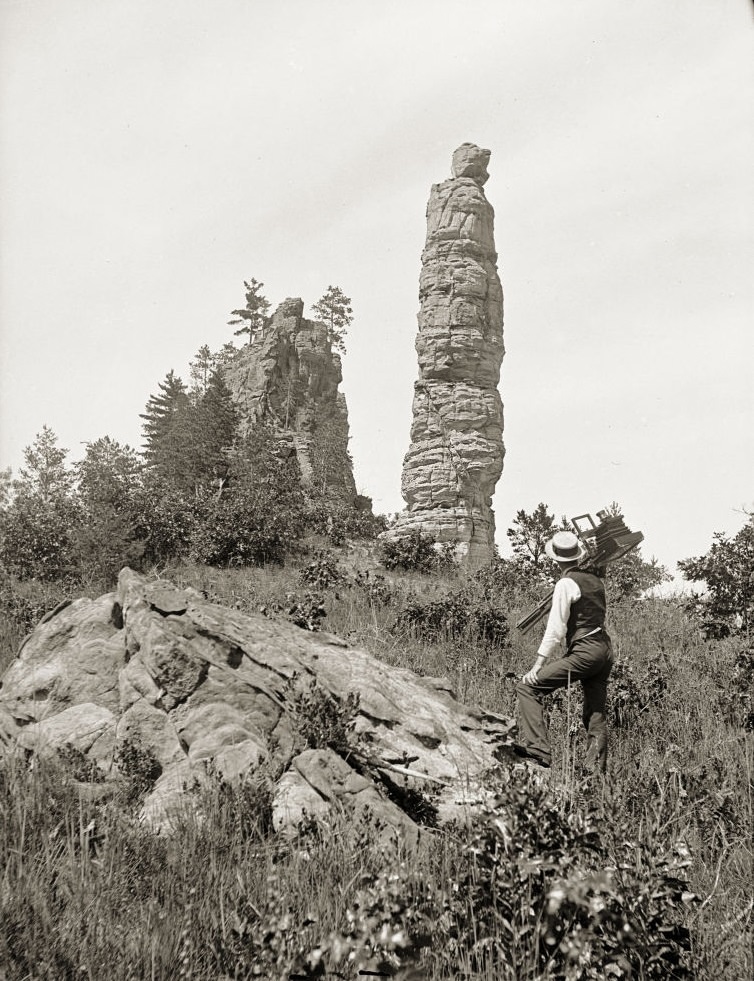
x=577 y=616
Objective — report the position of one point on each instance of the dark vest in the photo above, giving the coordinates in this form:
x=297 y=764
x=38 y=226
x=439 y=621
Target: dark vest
x=589 y=611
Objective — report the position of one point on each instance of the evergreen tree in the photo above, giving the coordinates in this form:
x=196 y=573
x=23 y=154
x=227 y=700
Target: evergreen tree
x=333 y=309
x=164 y=427
x=200 y=370
x=210 y=431
x=254 y=316
x=45 y=475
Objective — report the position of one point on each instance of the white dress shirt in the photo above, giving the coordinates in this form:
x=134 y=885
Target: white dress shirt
x=565 y=595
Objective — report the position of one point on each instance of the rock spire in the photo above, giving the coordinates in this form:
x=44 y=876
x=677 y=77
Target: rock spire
x=456 y=454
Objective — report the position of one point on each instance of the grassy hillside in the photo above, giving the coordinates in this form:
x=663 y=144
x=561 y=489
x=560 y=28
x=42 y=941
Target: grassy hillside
x=647 y=875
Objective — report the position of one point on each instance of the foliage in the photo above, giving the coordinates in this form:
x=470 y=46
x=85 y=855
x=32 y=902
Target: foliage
x=323 y=720
x=334 y=310
x=340 y=520
x=528 y=536
x=188 y=438
x=164 y=435
x=36 y=527
x=321 y=572
x=511 y=579
x=416 y=552
x=463 y=613
x=633 y=694
x=139 y=766
x=375 y=587
x=632 y=575
x=728 y=572
x=23 y=602
x=260 y=517
x=547 y=892
x=165 y=518
x=108 y=480
x=253 y=317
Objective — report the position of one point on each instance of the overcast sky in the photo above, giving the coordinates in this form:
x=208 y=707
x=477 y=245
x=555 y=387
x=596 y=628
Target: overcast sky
x=153 y=155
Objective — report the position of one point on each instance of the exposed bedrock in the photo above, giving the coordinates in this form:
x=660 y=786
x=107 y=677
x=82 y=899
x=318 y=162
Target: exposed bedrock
x=456 y=454
x=289 y=379
x=202 y=686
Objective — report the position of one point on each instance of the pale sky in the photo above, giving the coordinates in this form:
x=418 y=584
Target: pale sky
x=153 y=155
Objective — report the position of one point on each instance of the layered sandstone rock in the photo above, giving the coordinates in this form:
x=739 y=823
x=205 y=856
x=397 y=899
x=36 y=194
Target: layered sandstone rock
x=200 y=687
x=456 y=454
x=289 y=378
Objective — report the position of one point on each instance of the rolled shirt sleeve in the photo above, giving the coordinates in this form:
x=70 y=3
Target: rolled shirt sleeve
x=565 y=594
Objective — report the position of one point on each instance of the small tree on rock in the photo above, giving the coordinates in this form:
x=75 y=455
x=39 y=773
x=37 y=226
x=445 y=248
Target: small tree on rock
x=255 y=315
x=334 y=311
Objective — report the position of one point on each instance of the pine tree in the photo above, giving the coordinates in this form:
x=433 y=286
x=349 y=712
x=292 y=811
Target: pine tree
x=334 y=311
x=211 y=432
x=164 y=426
x=254 y=316
x=200 y=370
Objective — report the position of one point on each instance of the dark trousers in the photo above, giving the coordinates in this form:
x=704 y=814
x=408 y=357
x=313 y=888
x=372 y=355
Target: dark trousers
x=589 y=660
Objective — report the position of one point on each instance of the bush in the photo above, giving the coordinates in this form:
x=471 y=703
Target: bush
x=321 y=572
x=140 y=767
x=340 y=521
x=415 y=552
x=728 y=571
x=324 y=720
x=376 y=588
x=460 y=614
x=305 y=611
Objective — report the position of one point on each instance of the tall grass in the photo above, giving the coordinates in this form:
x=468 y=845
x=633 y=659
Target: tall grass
x=86 y=892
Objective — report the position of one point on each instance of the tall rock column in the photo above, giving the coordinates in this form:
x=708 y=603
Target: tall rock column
x=456 y=454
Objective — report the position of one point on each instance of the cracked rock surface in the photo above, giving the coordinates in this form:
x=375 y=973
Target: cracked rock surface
x=456 y=452
x=198 y=684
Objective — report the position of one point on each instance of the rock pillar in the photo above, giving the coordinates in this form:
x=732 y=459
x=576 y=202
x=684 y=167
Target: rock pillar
x=456 y=454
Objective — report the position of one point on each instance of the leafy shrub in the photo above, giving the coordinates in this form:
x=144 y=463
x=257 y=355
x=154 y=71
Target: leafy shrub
x=321 y=572
x=376 y=588
x=36 y=538
x=340 y=521
x=81 y=767
x=632 y=694
x=458 y=614
x=249 y=526
x=305 y=611
x=728 y=571
x=140 y=767
x=322 y=719
x=412 y=552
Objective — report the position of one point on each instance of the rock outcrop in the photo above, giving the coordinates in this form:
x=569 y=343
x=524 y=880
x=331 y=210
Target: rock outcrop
x=194 y=683
x=456 y=454
x=288 y=378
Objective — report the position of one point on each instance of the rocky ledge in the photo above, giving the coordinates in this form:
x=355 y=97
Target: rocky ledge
x=200 y=686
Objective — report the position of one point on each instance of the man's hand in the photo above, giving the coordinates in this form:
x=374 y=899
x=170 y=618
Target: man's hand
x=531 y=677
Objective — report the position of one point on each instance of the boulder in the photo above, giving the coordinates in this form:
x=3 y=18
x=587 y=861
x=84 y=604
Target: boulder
x=202 y=686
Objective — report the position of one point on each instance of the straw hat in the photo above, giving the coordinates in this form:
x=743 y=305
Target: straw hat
x=564 y=546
